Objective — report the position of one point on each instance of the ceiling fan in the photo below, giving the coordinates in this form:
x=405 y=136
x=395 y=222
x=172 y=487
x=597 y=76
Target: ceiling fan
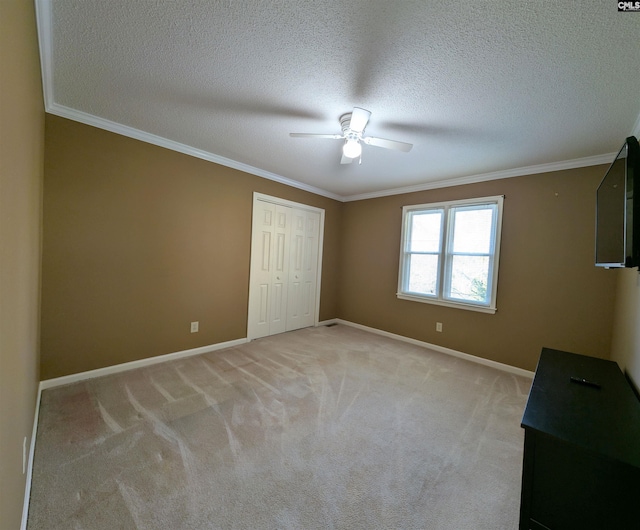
x=353 y=125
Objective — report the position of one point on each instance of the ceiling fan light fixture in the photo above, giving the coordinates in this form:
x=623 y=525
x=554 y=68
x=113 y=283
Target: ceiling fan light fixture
x=352 y=148
x=353 y=125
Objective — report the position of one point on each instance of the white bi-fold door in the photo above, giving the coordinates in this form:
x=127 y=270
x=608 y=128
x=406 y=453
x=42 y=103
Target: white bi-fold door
x=285 y=266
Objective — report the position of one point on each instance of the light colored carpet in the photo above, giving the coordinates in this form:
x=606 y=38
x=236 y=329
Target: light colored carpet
x=328 y=427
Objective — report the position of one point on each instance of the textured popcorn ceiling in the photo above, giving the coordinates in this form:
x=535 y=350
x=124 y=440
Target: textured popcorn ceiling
x=482 y=89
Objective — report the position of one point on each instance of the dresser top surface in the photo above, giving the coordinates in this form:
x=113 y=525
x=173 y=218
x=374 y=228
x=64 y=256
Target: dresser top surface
x=603 y=418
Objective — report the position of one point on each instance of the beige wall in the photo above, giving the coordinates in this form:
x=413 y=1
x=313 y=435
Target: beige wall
x=139 y=241
x=21 y=168
x=625 y=347
x=549 y=291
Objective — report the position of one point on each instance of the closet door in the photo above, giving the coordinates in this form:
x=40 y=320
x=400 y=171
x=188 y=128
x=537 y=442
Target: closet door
x=283 y=284
x=303 y=269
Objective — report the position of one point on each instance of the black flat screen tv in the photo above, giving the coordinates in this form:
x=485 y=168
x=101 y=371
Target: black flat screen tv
x=618 y=212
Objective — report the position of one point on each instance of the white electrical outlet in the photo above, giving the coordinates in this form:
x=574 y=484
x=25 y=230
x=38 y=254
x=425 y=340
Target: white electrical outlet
x=24 y=455
x=195 y=327
x=438 y=326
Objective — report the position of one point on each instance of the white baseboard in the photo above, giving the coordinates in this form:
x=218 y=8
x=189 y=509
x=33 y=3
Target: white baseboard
x=58 y=381
x=330 y=322
x=32 y=450
x=480 y=360
x=99 y=372
x=73 y=378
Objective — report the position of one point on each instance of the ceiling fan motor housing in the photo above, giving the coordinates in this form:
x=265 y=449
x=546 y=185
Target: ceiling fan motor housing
x=349 y=134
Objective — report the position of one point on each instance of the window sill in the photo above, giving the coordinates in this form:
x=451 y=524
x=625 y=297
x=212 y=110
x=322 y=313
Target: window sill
x=446 y=303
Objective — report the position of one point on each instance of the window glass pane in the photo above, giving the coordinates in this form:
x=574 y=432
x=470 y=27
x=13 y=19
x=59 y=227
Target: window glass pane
x=469 y=278
x=472 y=233
x=425 y=231
x=423 y=273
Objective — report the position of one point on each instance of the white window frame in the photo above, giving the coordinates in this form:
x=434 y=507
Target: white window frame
x=445 y=254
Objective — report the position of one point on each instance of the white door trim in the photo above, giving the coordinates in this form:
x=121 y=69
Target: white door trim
x=284 y=202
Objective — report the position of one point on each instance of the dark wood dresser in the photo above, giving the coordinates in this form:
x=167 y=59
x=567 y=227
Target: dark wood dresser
x=581 y=466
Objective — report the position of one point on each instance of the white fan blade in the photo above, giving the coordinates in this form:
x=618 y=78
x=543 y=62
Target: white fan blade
x=388 y=144
x=309 y=135
x=359 y=119
x=346 y=160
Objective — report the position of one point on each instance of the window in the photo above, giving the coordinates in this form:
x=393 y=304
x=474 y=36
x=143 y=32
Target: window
x=449 y=253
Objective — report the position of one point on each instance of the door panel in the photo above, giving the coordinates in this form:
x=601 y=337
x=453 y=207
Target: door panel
x=281 y=247
x=265 y=251
x=277 y=305
x=263 y=304
x=307 y=299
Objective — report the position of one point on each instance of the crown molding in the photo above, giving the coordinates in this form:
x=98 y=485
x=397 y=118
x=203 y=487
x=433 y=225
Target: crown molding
x=484 y=177
x=43 y=23
x=101 y=123
x=118 y=128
